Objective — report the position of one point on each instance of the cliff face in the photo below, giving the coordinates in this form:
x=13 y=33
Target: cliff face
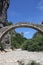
x=4 y=4
x=1 y=6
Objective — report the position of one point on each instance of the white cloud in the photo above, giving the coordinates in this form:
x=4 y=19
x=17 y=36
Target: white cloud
x=26 y=33
x=40 y=5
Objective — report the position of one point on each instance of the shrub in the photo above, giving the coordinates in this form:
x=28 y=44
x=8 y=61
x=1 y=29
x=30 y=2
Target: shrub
x=1 y=46
x=33 y=63
x=30 y=63
x=32 y=45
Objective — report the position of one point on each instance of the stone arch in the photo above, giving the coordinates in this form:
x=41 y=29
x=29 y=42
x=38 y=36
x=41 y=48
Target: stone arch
x=18 y=25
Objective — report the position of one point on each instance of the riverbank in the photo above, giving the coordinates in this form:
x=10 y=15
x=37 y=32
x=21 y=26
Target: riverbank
x=12 y=57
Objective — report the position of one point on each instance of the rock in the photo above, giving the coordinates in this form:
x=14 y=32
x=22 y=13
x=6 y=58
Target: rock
x=25 y=57
x=4 y=4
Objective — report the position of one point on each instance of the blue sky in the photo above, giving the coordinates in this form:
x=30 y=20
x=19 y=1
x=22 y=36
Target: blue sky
x=27 y=11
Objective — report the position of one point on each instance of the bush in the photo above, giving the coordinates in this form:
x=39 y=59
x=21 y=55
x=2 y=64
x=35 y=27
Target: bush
x=32 y=45
x=1 y=46
x=17 y=40
x=33 y=63
x=21 y=62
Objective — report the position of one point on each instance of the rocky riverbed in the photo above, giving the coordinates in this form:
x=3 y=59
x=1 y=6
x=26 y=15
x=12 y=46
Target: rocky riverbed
x=12 y=57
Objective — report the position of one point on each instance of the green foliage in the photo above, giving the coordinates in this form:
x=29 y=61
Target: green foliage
x=9 y=23
x=1 y=46
x=34 y=44
x=34 y=63
x=16 y=40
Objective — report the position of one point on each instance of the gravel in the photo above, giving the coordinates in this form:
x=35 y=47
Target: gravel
x=12 y=57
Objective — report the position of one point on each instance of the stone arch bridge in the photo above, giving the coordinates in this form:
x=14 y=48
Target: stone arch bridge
x=5 y=30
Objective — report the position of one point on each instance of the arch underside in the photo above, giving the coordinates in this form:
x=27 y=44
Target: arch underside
x=9 y=28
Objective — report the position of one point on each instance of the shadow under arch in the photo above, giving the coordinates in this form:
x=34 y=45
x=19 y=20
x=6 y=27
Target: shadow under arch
x=26 y=25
